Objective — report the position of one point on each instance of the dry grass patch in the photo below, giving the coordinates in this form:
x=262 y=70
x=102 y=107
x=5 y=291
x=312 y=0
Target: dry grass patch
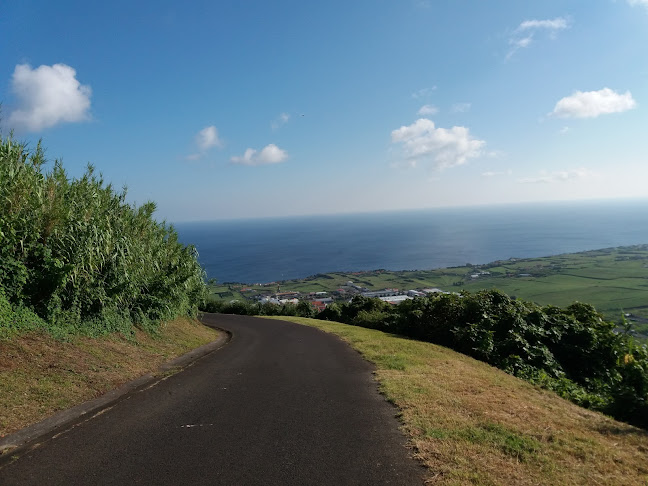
x=40 y=375
x=473 y=424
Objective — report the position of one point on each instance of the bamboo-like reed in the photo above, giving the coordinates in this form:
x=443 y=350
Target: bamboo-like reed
x=76 y=253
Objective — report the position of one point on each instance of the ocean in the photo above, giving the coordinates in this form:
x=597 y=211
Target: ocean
x=272 y=249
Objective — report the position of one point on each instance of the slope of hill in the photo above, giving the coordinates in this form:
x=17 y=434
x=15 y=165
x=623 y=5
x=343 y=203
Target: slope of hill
x=41 y=375
x=473 y=424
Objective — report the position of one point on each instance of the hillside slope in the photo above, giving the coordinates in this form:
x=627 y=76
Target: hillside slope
x=40 y=375
x=474 y=424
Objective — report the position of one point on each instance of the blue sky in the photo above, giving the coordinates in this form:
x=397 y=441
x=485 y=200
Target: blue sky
x=252 y=109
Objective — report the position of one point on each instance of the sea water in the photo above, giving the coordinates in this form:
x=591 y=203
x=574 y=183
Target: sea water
x=272 y=249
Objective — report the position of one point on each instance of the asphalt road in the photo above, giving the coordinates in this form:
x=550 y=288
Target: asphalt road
x=280 y=404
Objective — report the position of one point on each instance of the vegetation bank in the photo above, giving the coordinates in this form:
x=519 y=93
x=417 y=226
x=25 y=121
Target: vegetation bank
x=472 y=424
x=76 y=258
x=93 y=291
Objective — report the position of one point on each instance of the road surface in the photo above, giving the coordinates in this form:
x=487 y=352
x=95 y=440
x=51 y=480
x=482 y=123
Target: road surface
x=280 y=404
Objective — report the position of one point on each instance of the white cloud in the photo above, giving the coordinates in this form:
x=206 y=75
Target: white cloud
x=521 y=43
x=460 y=107
x=524 y=35
x=428 y=110
x=559 y=176
x=205 y=139
x=423 y=93
x=47 y=96
x=444 y=147
x=590 y=104
x=559 y=23
x=280 y=121
x=208 y=138
x=638 y=2
x=564 y=130
x=270 y=154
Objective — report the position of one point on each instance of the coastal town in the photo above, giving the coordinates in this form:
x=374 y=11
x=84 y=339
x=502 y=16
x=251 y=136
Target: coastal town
x=556 y=280
x=320 y=300
x=339 y=287
x=265 y=293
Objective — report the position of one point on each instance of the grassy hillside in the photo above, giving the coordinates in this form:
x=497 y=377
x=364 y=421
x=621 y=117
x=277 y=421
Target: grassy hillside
x=40 y=375
x=472 y=424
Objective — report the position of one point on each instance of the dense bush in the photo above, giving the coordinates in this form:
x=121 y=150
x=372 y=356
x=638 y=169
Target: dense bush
x=76 y=255
x=246 y=308
x=572 y=351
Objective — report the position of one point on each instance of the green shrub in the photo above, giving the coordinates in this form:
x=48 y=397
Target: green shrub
x=302 y=309
x=17 y=320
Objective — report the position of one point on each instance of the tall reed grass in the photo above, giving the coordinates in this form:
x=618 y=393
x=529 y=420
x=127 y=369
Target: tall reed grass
x=78 y=257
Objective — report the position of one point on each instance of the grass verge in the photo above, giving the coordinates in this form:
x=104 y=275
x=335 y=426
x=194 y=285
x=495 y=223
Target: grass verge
x=472 y=424
x=40 y=375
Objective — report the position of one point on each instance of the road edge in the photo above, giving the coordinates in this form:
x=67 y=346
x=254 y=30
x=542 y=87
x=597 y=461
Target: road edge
x=22 y=438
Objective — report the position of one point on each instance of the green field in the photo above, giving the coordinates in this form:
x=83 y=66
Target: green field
x=614 y=280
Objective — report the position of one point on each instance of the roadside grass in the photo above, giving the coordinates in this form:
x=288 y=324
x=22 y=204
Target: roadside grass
x=472 y=424
x=40 y=375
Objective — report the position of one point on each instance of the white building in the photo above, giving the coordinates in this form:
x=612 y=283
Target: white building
x=415 y=293
x=433 y=291
x=395 y=299
x=381 y=293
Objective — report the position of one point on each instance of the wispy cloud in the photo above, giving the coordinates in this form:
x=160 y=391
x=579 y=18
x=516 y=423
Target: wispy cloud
x=47 y=96
x=208 y=138
x=205 y=139
x=423 y=92
x=590 y=104
x=497 y=173
x=404 y=164
x=422 y=141
x=270 y=154
x=460 y=107
x=559 y=23
x=643 y=3
x=280 y=121
x=427 y=110
x=525 y=33
x=559 y=176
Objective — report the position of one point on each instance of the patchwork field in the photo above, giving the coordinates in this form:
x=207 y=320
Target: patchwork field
x=614 y=280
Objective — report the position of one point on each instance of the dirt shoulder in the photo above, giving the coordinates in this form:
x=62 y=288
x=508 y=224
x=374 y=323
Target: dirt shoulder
x=40 y=375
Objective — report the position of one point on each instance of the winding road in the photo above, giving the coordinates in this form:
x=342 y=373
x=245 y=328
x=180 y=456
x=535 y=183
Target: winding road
x=280 y=404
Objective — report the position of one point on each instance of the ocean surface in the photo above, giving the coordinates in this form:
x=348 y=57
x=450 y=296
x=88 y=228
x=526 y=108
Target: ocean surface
x=271 y=249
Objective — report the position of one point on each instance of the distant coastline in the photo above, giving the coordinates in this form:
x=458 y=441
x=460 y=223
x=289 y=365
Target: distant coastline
x=267 y=250
x=614 y=280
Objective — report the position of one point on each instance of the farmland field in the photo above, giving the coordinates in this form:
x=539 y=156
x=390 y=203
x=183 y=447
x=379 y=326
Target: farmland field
x=614 y=280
